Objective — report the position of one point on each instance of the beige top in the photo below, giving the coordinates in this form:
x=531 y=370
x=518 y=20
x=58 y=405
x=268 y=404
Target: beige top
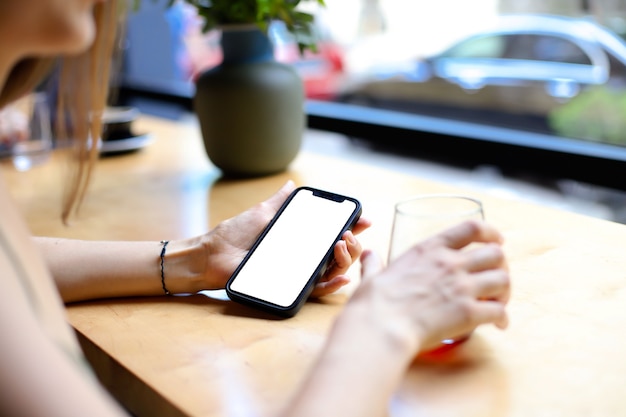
x=25 y=275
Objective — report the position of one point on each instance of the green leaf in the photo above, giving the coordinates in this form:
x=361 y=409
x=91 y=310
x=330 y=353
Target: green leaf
x=260 y=12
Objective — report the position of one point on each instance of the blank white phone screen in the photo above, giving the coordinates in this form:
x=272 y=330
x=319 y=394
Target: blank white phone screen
x=292 y=249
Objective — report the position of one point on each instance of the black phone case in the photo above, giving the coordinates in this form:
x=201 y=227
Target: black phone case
x=291 y=310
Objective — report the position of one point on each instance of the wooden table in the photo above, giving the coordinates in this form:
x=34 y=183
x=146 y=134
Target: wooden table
x=563 y=355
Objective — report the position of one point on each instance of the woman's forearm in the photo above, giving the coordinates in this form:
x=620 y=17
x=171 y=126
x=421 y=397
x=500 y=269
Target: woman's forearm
x=86 y=270
x=357 y=371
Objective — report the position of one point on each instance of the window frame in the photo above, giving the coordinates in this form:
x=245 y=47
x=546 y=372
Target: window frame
x=449 y=141
x=458 y=142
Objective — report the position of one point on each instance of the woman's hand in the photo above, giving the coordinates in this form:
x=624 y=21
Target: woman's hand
x=230 y=241
x=436 y=290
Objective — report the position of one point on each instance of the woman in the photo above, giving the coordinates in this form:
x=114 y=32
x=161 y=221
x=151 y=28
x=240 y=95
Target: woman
x=432 y=292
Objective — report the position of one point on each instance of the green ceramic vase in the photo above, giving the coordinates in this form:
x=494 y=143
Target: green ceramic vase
x=250 y=107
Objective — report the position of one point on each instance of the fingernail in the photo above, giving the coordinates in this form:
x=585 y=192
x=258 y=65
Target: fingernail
x=345 y=249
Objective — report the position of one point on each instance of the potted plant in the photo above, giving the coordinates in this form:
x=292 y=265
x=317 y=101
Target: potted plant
x=250 y=107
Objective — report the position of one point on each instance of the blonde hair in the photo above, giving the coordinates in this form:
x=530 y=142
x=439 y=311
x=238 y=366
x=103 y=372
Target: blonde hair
x=83 y=88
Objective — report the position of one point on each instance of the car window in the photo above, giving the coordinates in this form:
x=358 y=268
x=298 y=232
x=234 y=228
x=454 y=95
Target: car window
x=551 y=48
x=478 y=47
x=547 y=48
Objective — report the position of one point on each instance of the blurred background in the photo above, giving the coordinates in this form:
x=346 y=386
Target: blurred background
x=526 y=89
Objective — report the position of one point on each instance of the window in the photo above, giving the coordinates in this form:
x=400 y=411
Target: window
x=479 y=47
x=537 y=85
x=551 y=48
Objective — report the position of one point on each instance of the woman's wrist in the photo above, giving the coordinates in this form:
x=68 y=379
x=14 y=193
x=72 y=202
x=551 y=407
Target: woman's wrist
x=391 y=334
x=184 y=266
x=382 y=321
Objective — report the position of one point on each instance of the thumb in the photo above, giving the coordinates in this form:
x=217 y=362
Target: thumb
x=371 y=264
x=279 y=197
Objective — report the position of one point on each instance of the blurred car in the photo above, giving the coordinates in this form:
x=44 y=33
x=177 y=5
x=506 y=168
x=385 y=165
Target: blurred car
x=514 y=73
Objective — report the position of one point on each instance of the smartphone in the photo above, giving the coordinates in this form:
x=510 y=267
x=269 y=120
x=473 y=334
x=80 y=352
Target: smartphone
x=292 y=253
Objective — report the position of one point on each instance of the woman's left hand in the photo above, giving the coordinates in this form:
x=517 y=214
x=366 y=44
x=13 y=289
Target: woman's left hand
x=230 y=241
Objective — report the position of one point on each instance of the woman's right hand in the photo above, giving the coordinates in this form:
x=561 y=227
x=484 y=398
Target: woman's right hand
x=436 y=290
x=432 y=292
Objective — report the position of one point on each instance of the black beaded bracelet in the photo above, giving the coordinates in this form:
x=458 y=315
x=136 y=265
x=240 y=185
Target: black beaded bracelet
x=164 y=243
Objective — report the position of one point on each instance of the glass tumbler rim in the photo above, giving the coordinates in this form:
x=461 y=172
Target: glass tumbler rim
x=419 y=197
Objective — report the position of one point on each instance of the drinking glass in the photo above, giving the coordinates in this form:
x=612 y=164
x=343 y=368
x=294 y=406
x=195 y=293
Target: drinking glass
x=25 y=131
x=418 y=218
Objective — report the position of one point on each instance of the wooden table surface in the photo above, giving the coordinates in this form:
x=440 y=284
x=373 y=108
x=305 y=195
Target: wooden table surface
x=564 y=353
